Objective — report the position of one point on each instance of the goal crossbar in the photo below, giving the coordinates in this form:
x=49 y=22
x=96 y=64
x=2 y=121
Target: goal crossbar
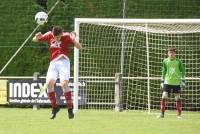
x=164 y=21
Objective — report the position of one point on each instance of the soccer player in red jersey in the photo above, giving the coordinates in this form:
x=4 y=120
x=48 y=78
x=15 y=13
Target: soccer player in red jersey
x=59 y=43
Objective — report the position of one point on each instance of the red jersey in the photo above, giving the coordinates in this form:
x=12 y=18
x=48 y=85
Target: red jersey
x=58 y=48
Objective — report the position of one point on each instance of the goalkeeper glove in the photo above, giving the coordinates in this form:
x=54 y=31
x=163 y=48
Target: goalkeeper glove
x=162 y=84
x=182 y=85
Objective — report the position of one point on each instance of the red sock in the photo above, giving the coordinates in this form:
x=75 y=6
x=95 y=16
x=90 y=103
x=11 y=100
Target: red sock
x=162 y=105
x=52 y=98
x=178 y=107
x=68 y=98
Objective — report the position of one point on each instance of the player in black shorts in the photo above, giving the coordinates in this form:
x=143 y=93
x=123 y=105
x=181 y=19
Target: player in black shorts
x=173 y=75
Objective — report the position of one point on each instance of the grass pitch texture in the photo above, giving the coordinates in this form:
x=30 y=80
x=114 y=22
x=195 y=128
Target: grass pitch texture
x=28 y=121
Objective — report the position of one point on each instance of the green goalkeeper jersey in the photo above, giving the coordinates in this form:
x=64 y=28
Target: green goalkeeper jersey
x=172 y=71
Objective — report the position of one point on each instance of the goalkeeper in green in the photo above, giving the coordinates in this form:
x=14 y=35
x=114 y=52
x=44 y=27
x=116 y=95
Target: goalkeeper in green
x=173 y=80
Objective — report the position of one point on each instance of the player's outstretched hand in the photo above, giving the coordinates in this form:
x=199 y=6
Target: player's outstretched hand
x=73 y=35
x=38 y=35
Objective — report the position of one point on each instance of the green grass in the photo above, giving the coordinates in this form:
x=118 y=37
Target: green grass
x=28 y=121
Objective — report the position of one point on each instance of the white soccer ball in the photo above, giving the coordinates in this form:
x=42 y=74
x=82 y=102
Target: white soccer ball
x=41 y=18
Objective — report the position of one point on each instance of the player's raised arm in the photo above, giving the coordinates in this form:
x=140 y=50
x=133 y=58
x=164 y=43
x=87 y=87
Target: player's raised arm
x=76 y=43
x=37 y=37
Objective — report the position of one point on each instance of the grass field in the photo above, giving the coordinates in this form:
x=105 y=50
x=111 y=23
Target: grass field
x=28 y=121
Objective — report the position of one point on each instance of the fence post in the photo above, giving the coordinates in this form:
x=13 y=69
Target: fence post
x=35 y=78
x=118 y=92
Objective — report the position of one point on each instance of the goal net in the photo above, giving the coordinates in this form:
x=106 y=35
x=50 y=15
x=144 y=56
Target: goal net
x=135 y=48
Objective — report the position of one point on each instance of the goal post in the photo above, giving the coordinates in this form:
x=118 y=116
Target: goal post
x=76 y=65
x=135 y=49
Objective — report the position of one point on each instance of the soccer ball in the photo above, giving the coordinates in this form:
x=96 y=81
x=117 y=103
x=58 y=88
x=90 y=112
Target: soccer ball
x=41 y=18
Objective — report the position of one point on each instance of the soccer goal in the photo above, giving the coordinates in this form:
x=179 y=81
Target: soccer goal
x=121 y=60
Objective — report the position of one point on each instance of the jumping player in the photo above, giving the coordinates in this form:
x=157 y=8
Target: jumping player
x=173 y=79
x=58 y=43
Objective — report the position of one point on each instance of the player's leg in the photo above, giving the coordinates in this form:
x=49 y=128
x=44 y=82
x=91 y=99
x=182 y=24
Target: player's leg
x=64 y=72
x=177 y=92
x=163 y=101
x=68 y=98
x=50 y=82
x=178 y=105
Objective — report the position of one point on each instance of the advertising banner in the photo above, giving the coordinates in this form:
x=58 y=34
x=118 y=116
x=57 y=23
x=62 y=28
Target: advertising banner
x=28 y=91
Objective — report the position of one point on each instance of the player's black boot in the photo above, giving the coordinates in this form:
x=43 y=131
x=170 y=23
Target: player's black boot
x=70 y=113
x=54 y=112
